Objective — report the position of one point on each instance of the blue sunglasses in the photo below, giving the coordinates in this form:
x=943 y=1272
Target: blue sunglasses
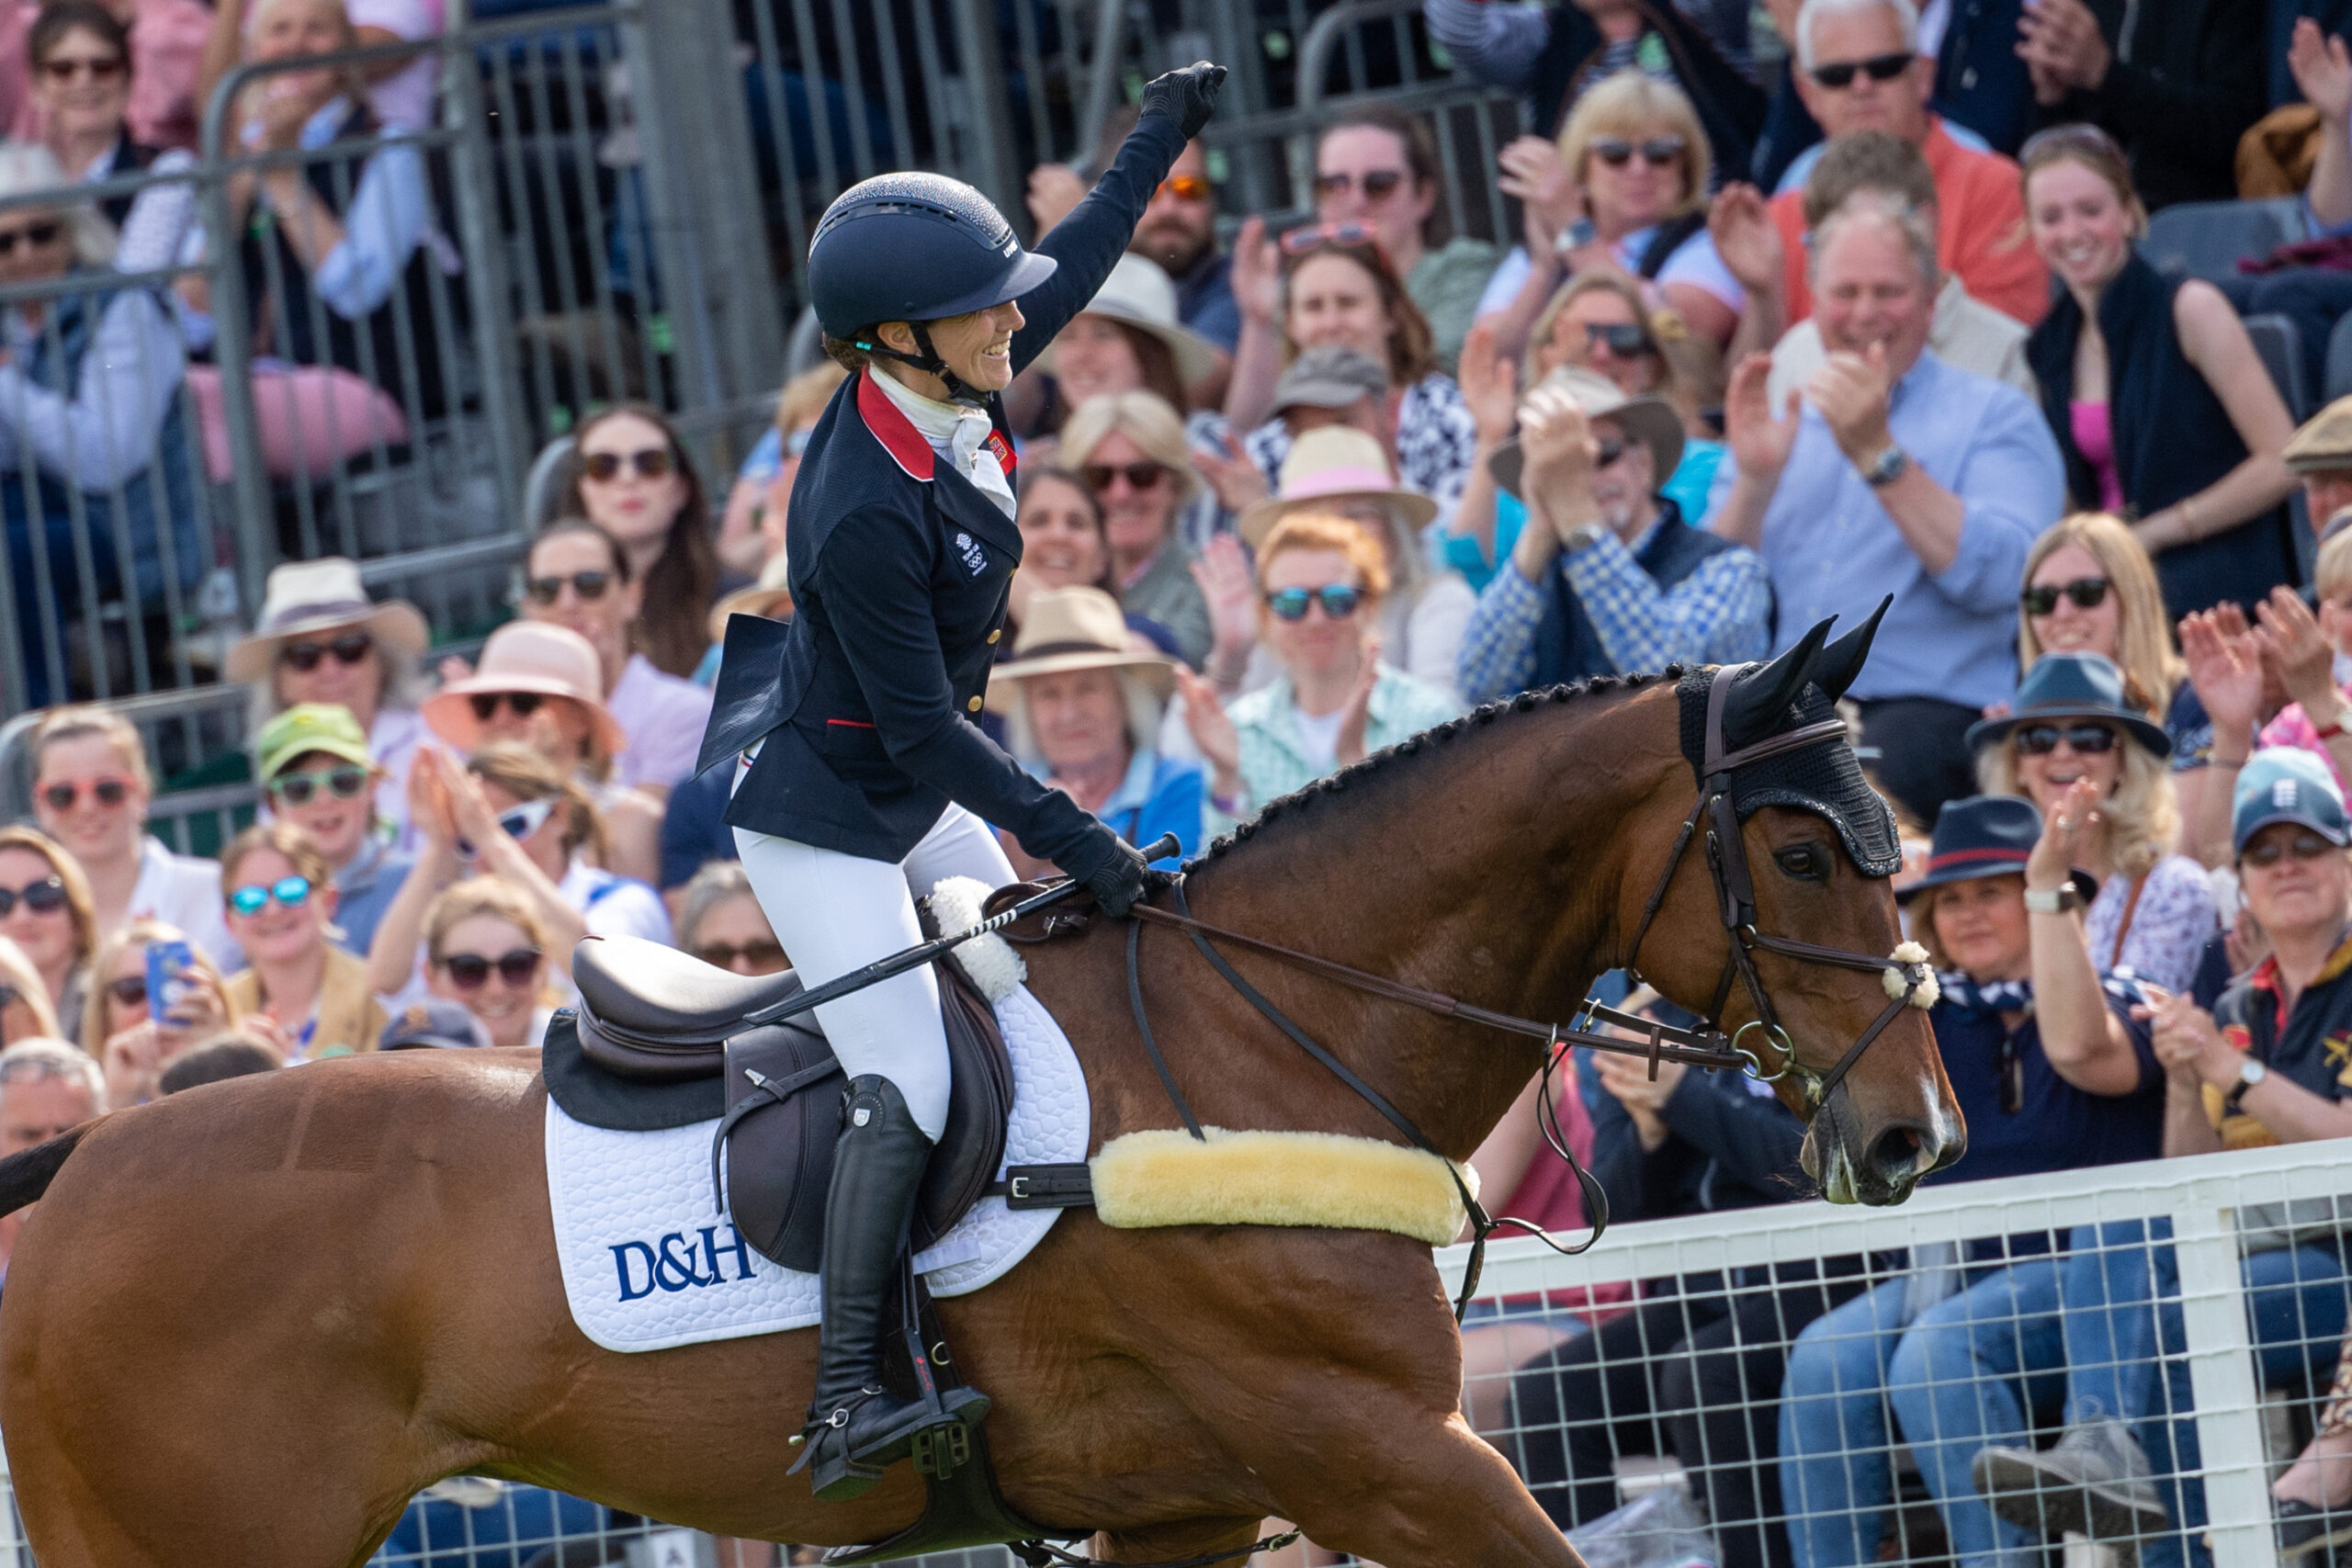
x=1339 y=601
x=254 y=897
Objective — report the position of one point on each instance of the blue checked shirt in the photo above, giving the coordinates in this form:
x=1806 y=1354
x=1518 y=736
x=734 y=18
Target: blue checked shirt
x=1720 y=613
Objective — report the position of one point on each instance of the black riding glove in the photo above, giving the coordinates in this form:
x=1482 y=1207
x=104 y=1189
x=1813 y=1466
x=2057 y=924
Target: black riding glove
x=1187 y=96
x=1121 y=878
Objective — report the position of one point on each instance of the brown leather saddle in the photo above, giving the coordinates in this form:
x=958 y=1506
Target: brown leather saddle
x=671 y=1027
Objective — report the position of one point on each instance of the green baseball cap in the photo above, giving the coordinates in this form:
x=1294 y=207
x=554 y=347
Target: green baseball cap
x=306 y=727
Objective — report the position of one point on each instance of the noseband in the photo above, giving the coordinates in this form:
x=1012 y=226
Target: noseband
x=1908 y=979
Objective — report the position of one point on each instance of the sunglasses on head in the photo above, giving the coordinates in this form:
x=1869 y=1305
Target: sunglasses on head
x=2303 y=846
x=517 y=823
x=652 y=463
x=104 y=69
x=1315 y=236
x=1338 y=599
x=130 y=990
x=763 y=955
x=485 y=704
x=345 y=782
x=1878 y=68
x=44 y=897
x=1625 y=338
x=470 y=971
x=2086 y=740
x=1189 y=187
x=1378 y=184
x=348 y=649
x=1139 y=476
x=107 y=791
x=589 y=585
x=37 y=235
x=254 y=897
x=1657 y=152
x=2088 y=592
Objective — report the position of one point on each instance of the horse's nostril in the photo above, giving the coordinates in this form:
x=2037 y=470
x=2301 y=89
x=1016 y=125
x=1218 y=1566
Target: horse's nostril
x=1894 y=1157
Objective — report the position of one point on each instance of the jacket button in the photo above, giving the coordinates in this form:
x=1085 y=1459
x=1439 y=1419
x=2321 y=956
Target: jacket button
x=996 y=633
x=974 y=705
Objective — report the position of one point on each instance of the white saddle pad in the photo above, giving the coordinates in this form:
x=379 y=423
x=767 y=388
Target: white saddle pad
x=648 y=1263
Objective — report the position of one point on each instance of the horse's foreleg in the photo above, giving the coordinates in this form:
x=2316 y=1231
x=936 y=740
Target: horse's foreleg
x=1423 y=1492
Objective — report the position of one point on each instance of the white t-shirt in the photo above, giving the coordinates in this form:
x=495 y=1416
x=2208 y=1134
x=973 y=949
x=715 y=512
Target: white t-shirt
x=1319 y=736
x=664 y=718
x=184 y=891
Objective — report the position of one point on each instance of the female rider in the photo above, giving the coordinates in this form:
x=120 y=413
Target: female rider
x=863 y=774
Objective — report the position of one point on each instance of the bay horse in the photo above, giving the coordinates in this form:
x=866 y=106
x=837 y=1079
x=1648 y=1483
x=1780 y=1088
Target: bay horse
x=247 y=1324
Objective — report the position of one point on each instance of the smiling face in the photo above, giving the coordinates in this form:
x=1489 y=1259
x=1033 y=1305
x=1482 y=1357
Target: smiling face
x=2070 y=628
x=1363 y=175
x=1078 y=719
x=92 y=831
x=338 y=822
x=501 y=1007
x=1136 y=518
x=1335 y=302
x=1317 y=644
x=1981 y=925
x=604 y=619
x=1061 y=539
x=1898 y=107
x=47 y=938
x=979 y=346
x=83 y=85
x=1180 y=223
x=275 y=933
x=2310 y=892
x=1574 y=340
x=1093 y=357
x=2047 y=777
x=1633 y=194
x=2080 y=224
x=1867 y=288
x=298 y=30
x=1622 y=490
x=355 y=683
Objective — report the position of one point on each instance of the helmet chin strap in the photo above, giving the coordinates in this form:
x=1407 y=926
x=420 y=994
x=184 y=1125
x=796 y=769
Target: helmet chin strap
x=927 y=361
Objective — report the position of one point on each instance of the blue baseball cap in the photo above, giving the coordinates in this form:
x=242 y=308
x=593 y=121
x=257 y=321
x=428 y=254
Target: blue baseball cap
x=1984 y=835
x=2287 y=783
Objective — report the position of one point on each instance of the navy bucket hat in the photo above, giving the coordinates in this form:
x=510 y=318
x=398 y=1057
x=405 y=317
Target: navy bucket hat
x=1982 y=835
x=2072 y=685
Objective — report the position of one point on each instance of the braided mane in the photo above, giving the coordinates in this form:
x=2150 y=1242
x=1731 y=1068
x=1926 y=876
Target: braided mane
x=1387 y=760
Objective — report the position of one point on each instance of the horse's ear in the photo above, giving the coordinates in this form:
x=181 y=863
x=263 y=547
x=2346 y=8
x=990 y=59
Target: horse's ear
x=1759 y=701
x=1843 y=660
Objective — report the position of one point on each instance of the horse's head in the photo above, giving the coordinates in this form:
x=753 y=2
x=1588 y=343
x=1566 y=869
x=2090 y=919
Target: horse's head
x=1771 y=912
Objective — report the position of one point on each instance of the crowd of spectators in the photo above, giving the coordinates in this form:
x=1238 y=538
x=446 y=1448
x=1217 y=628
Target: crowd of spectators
x=1800 y=318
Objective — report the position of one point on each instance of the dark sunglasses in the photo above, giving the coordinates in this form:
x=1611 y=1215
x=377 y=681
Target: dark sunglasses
x=1878 y=68
x=37 y=235
x=2088 y=592
x=130 y=990
x=469 y=971
x=105 y=70
x=1315 y=236
x=251 y=899
x=1657 y=152
x=1339 y=601
x=345 y=782
x=44 y=897
x=2087 y=740
x=763 y=955
x=348 y=649
x=1139 y=476
x=1379 y=185
x=485 y=704
x=1607 y=449
x=2303 y=846
x=606 y=467
x=108 y=792
x=1190 y=187
x=1625 y=338
x=589 y=585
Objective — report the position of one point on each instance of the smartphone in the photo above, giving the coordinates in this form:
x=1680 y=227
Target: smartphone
x=166 y=962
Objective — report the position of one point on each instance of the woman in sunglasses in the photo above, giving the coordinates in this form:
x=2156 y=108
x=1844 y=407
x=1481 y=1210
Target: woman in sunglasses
x=1623 y=190
x=486 y=950
x=89 y=102
x=1377 y=169
x=631 y=476
x=720 y=922
x=2072 y=724
x=131 y=1039
x=1320 y=583
x=1128 y=450
x=45 y=909
x=316 y=774
x=578 y=576
x=2162 y=407
x=91 y=787
x=280 y=896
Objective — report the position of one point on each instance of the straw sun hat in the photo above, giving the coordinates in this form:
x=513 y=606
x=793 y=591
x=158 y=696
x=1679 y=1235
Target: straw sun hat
x=1139 y=294
x=317 y=596
x=1074 y=628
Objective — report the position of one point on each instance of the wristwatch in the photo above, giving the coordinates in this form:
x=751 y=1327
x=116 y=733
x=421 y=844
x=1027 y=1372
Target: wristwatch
x=2250 y=1073
x=1576 y=236
x=2056 y=900
x=1584 y=536
x=1886 y=468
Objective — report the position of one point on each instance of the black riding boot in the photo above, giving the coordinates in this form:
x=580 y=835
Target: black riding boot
x=856 y=1427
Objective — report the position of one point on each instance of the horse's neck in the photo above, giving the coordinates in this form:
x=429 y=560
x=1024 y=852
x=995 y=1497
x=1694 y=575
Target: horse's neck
x=1489 y=870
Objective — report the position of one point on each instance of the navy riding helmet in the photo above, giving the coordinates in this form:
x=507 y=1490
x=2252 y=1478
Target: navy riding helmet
x=917 y=248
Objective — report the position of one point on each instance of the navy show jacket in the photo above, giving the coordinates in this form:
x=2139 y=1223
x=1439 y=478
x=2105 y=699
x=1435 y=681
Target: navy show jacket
x=901 y=569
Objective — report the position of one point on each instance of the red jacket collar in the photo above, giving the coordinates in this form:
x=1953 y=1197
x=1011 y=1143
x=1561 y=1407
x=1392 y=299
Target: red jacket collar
x=891 y=427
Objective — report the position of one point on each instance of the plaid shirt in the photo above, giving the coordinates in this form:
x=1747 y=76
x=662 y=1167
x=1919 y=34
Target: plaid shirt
x=1720 y=613
x=1273 y=754
x=1436 y=438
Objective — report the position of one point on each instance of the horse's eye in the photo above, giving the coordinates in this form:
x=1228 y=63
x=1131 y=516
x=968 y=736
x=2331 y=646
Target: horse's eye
x=1807 y=862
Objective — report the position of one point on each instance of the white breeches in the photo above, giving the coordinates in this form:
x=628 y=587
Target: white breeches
x=836 y=912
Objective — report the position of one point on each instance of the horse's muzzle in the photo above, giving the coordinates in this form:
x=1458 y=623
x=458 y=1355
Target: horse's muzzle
x=1881 y=1168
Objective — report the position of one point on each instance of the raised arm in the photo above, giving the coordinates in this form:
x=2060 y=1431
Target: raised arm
x=2085 y=1042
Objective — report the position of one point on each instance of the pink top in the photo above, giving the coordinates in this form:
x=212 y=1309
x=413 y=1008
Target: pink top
x=2095 y=439
x=2294 y=728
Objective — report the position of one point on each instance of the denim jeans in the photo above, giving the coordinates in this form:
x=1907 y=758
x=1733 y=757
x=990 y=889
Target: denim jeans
x=1968 y=1374
x=2120 y=1293
x=1837 y=1474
